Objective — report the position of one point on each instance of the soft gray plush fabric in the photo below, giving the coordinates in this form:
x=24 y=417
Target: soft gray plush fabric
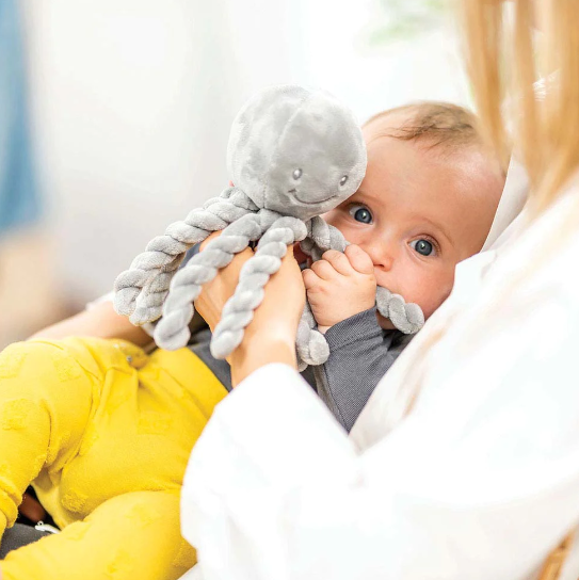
x=141 y=290
x=293 y=154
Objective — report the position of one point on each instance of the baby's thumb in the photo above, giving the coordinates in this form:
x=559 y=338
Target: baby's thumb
x=359 y=259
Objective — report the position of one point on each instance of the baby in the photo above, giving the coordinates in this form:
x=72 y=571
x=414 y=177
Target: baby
x=104 y=431
x=426 y=203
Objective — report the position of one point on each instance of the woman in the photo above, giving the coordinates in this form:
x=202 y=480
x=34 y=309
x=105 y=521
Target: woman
x=465 y=462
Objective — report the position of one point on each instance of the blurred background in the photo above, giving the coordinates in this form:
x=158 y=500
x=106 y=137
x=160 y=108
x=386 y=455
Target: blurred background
x=114 y=117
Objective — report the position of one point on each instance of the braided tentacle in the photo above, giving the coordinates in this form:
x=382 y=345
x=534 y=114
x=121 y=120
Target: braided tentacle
x=238 y=311
x=321 y=238
x=141 y=290
x=172 y=331
x=311 y=345
x=406 y=317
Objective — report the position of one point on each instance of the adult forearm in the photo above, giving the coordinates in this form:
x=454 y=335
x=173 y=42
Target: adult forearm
x=254 y=354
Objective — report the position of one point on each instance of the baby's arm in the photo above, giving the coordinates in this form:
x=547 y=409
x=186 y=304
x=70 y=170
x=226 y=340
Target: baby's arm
x=360 y=354
x=340 y=285
x=341 y=290
x=101 y=321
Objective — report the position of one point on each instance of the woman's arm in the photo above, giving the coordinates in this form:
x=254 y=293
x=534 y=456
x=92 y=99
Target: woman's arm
x=473 y=487
x=101 y=321
x=271 y=336
x=480 y=481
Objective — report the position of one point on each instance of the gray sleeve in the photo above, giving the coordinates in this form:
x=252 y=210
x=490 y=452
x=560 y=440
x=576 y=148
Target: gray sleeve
x=190 y=253
x=360 y=354
x=199 y=345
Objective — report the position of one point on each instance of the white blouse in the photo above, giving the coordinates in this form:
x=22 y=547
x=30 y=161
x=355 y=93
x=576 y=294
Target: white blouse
x=479 y=481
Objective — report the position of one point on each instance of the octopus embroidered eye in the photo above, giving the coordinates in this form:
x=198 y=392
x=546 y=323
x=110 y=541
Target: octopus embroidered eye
x=297 y=173
x=343 y=180
x=423 y=247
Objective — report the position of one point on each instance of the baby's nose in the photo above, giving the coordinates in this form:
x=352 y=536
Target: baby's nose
x=382 y=261
x=381 y=252
x=385 y=266
x=384 y=274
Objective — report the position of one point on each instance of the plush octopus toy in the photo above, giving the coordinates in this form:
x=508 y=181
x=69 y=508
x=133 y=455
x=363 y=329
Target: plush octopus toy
x=293 y=155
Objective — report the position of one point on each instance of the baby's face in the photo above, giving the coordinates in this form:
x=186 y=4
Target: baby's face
x=418 y=213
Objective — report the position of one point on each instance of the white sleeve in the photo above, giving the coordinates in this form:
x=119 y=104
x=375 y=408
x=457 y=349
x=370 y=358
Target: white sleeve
x=477 y=486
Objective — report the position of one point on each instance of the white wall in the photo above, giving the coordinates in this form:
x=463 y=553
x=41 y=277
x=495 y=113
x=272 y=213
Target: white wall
x=132 y=101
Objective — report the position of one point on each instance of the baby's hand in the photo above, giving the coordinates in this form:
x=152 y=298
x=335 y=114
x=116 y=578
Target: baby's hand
x=340 y=285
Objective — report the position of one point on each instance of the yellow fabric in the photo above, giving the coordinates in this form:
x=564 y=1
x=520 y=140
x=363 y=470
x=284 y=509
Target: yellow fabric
x=104 y=432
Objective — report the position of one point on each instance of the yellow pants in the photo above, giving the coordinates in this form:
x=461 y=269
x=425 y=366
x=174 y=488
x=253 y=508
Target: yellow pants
x=104 y=432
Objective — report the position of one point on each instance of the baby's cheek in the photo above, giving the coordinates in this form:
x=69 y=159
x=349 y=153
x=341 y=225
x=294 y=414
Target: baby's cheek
x=431 y=293
x=428 y=289
x=430 y=304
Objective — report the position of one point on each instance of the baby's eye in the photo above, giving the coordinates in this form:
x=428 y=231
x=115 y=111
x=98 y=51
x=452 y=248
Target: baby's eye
x=423 y=247
x=361 y=214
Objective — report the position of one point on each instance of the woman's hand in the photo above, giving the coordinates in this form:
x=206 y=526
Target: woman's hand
x=216 y=293
x=271 y=335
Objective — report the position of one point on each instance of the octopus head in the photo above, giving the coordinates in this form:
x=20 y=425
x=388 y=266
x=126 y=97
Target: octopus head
x=296 y=151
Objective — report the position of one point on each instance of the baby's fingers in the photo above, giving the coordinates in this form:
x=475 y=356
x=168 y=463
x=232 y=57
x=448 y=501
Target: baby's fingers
x=339 y=262
x=324 y=269
x=359 y=259
x=311 y=279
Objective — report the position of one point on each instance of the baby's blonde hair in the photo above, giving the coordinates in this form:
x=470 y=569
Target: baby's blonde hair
x=445 y=126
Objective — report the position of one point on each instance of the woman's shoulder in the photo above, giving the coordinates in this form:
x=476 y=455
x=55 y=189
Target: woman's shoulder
x=544 y=254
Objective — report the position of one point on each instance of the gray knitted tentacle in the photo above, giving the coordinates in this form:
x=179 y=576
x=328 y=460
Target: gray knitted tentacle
x=406 y=317
x=311 y=345
x=172 y=331
x=321 y=238
x=238 y=311
x=307 y=322
x=229 y=207
x=140 y=291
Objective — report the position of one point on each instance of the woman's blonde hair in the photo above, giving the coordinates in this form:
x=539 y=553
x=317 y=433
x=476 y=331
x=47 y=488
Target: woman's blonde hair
x=505 y=58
